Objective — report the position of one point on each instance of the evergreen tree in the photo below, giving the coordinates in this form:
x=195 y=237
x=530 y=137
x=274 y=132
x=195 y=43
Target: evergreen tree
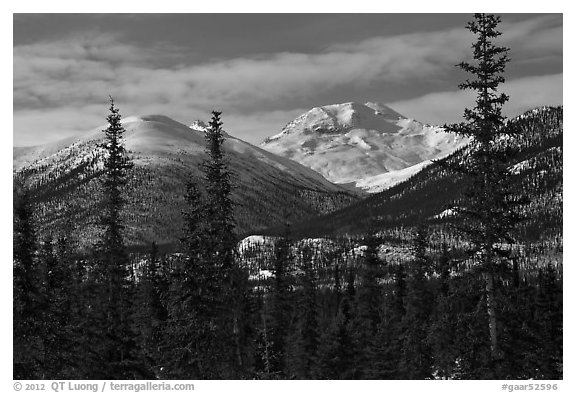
x=304 y=356
x=218 y=205
x=207 y=327
x=369 y=291
x=113 y=284
x=57 y=317
x=473 y=356
x=69 y=301
x=368 y=306
x=385 y=352
x=488 y=208
x=194 y=221
x=281 y=308
x=28 y=344
x=440 y=335
x=549 y=324
x=336 y=353
x=149 y=312
x=264 y=357
x=416 y=361
x=222 y=242
x=190 y=344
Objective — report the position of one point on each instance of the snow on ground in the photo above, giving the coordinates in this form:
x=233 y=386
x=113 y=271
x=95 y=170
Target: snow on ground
x=386 y=180
x=445 y=213
x=255 y=240
x=519 y=167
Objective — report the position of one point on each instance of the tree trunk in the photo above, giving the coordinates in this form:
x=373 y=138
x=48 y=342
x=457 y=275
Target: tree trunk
x=492 y=317
x=236 y=332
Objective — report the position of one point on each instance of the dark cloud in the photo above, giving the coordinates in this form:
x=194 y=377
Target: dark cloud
x=73 y=75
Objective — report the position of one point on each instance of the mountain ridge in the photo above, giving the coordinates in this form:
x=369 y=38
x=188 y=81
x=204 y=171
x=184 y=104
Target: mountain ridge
x=63 y=177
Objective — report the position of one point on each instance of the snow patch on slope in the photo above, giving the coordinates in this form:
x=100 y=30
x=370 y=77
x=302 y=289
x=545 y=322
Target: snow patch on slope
x=387 y=180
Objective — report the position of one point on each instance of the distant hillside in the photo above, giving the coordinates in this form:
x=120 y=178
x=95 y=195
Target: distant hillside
x=428 y=194
x=268 y=189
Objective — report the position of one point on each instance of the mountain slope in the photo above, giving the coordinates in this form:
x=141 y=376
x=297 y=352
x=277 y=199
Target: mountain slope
x=428 y=194
x=357 y=143
x=267 y=189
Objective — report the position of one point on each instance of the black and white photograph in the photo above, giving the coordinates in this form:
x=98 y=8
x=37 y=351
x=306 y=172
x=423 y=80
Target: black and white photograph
x=287 y=196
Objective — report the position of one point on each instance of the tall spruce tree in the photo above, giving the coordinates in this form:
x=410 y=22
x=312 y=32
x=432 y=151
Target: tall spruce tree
x=207 y=326
x=221 y=241
x=219 y=205
x=488 y=208
x=192 y=334
x=112 y=275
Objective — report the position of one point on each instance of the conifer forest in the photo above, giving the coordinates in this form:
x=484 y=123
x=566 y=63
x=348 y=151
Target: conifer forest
x=454 y=273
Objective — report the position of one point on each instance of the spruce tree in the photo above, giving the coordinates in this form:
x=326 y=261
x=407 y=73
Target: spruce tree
x=386 y=351
x=368 y=306
x=194 y=221
x=218 y=205
x=69 y=300
x=206 y=330
x=57 y=312
x=304 y=356
x=281 y=308
x=336 y=352
x=549 y=324
x=221 y=243
x=27 y=335
x=488 y=207
x=149 y=312
x=190 y=341
x=416 y=361
x=441 y=331
x=369 y=291
x=111 y=273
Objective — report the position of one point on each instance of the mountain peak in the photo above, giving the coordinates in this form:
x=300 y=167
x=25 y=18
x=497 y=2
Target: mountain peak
x=153 y=118
x=341 y=118
x=199 y=125
x=351 y=141
x=385 y=111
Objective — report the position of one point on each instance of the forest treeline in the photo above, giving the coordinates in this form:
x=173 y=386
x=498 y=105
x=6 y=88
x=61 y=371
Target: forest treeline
x=469 y=309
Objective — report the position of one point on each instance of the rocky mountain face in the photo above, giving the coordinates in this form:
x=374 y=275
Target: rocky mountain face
x=369 y=145
x=268 y=189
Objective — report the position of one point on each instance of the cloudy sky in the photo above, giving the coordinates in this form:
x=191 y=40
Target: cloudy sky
x=261 y=70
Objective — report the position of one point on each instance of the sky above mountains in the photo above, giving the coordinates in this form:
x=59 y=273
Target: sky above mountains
x=261 y=70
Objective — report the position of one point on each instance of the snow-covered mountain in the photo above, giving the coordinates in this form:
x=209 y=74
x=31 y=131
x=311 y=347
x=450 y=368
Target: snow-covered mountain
x=537 y=178
x=267 y=188
x=370 y=144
